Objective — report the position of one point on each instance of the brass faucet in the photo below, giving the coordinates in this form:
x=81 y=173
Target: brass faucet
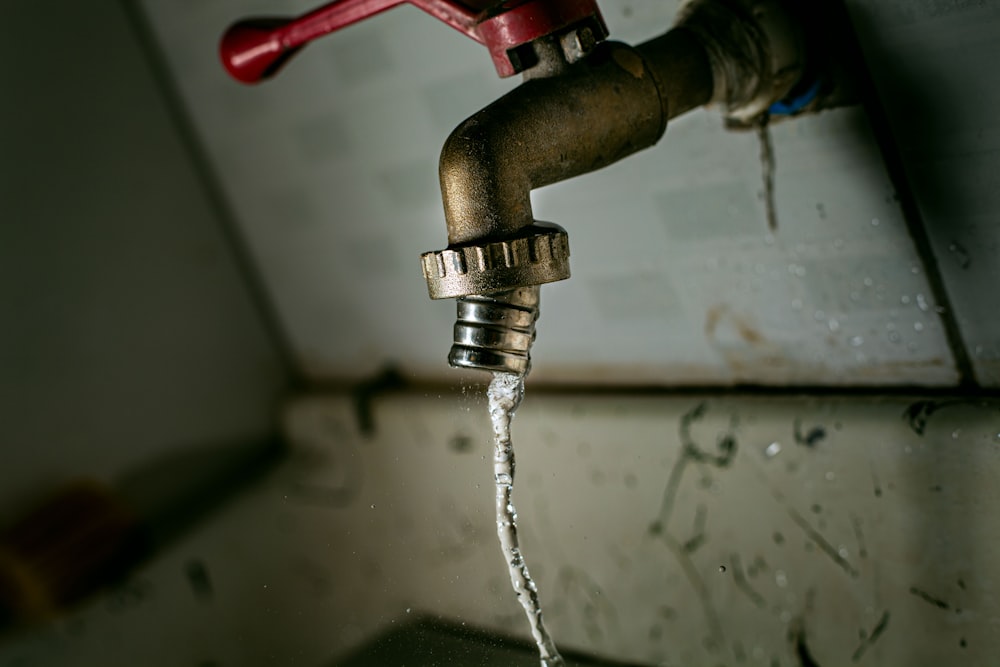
x=585 y=104
x=610 y=104
x=570 y=119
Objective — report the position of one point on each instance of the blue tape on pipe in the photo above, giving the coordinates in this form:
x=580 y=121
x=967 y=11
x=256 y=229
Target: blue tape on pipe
x=792 y=105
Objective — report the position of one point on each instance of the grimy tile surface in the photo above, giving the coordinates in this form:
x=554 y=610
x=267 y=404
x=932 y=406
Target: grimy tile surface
x=683 y=531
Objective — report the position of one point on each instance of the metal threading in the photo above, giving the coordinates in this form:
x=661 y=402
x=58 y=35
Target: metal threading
x=494 y=332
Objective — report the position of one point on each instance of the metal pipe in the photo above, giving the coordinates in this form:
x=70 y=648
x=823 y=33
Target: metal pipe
x=612 y=104
x=495 y=332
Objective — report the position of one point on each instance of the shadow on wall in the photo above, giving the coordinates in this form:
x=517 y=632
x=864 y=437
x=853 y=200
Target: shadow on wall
x=915 y=105
x=427 y=642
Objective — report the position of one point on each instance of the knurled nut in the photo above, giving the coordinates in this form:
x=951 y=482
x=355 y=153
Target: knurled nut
x=539 y=256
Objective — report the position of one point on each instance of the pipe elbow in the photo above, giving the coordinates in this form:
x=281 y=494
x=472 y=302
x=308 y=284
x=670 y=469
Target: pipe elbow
x=484 y=191
x=545 y=131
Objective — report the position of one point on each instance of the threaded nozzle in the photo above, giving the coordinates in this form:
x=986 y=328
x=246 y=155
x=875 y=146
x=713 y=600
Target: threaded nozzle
x=494 y=332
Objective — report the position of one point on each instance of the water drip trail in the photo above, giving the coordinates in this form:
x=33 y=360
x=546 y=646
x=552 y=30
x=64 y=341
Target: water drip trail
x=767 y=164
x=505 y=394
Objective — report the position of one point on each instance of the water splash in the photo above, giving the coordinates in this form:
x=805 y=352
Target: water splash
x=505 y=394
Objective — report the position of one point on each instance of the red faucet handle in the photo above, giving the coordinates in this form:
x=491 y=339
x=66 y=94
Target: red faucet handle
x=254 y=49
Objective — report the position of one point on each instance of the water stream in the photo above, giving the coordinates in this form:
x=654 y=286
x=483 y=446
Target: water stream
x=505 y=394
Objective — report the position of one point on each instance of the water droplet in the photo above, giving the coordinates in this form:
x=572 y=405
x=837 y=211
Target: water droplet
x=373 y=505
x=819 y=315
x=918 y=326
x=722 y=568
x=842 y=551
x=857 y=341
x=797 y=304
x=922 y=302
x=875 y=222
x=773 y=450
x=829 y=476
x=781 y=578
x=954 y=434
x=833 y=325
x=868 y=282
x=894 y=337
x=904 y=299
x=407 y=610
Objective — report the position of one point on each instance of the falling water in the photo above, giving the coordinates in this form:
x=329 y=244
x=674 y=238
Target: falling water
x=505 y=394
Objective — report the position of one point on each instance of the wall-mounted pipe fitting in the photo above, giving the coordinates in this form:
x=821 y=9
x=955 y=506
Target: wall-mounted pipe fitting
x=585 y=104
x=610 y=104
x=570 y=119
x=756 y=49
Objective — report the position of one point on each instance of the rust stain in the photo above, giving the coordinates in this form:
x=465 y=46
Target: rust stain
x=720 y=313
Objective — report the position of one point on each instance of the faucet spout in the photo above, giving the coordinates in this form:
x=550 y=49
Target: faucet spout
x=495 y=331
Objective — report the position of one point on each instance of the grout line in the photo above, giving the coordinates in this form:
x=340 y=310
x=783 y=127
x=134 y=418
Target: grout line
x=246 y=266
x=964 y=393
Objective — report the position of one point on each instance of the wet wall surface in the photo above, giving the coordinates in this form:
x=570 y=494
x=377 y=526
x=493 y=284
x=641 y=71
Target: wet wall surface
x=661 y=531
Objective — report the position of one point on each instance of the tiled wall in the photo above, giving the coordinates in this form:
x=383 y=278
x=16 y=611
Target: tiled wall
x=331 y=171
